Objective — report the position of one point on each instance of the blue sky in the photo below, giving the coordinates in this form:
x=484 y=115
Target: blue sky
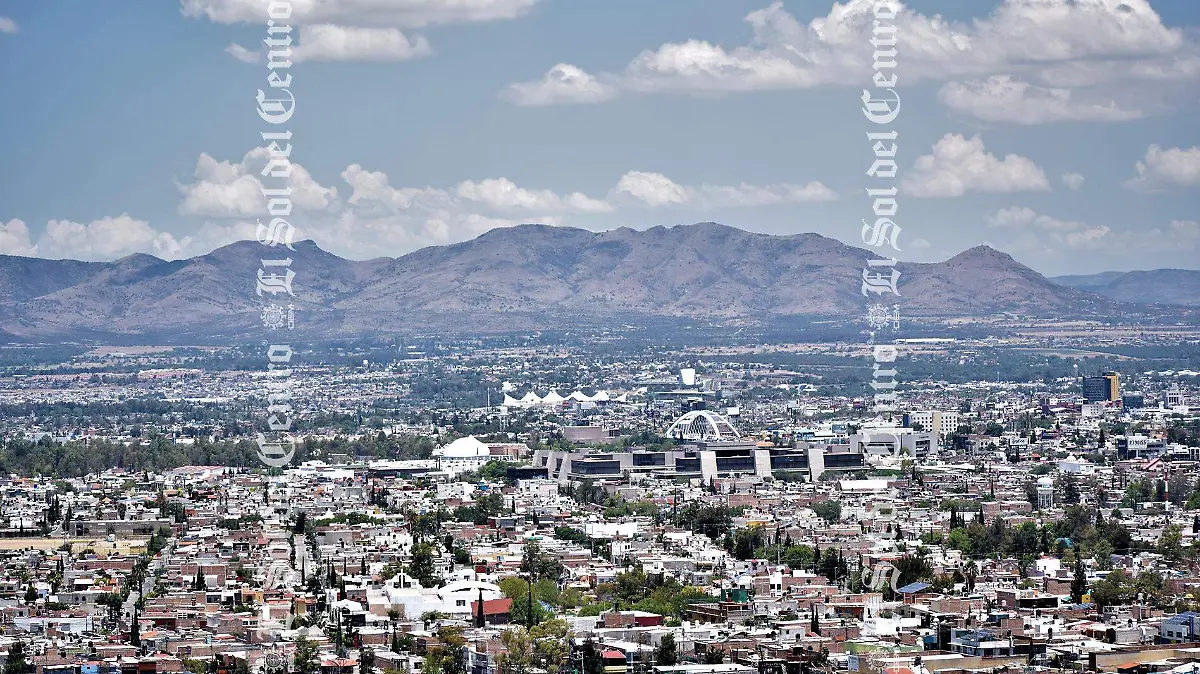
x=130 y=125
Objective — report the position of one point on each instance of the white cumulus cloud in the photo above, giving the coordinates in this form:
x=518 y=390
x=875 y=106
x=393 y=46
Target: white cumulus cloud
x=653 y=189
x=228 y=189
x=14 y=239
x=1003 y=99
x=1053 y=43
x=959 y=165
x=329 y=42
x=1172 y=167
x=1073 y=181
x=1043 y=233
x=562 y=84
x=7 y=25
x=244 y=55
x=656 y=189
x=717 y=196
x=1028 y=231
x=394 y=13
x=373 y=187
x=105 y=239
x=503 y=194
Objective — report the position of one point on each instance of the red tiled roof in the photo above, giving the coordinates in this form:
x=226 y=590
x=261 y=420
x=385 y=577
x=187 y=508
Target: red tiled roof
x=493 y=606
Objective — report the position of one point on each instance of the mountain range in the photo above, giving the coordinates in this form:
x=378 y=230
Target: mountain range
x=518 y=278
x=1159 y=286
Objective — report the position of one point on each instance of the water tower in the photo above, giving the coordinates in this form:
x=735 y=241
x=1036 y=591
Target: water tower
x=1045 y=493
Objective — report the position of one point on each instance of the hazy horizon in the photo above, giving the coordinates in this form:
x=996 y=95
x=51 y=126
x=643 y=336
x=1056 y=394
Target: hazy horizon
x=1071 y=150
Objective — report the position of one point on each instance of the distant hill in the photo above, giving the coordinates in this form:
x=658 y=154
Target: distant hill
x=1160 y=286
x=526 y=277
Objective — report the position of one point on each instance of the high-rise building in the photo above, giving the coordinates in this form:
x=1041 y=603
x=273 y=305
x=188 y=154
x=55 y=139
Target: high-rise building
x=1104 y=388
x=935 y=421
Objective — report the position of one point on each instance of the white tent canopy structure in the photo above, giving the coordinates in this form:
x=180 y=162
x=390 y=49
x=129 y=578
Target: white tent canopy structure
x=554 y=398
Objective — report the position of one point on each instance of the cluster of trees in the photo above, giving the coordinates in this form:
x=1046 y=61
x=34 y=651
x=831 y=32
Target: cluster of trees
x=539 y=565
x=78 y=458
x=572 y=534
x=448 y=655
x=534 y=604
x=543 y=647
x=830 y=511
x=351 y=518
x=656 y=593
x=587 y=492
x=487 y=505
x=713 y=521
x=421 y=565
x=1118 y=588
x=1085 y=531
x=754 y=543
x=615 y=508
x=1179 y=490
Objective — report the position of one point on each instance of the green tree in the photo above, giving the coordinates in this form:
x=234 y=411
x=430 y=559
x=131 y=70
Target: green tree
x=1079 y=581
x=538 y=564
x=593 y=662
x=512 y=586
x=111 y=601
x=1070 y=488
x=135 y=634
x=1170 y=543
x=830 y=511
x=629 y=587
x=913 y=568
x=494 y=471
x=448 y=656
x=366 y=661
x=1112 y=590
x=18 y=662
x=746 y=541
x=518 y=651
x=421 y=566
x=1151 y=586
x=521 y=612
x=960 y=539
x=550 y=639
x=1102 y=552
x=713 y=521
x=305 y=661
x=798 y=557
x=666 y=654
